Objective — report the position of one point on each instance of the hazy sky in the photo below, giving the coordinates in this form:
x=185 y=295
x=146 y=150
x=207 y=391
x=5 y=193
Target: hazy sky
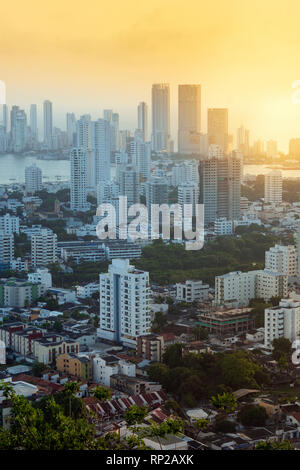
x=86 y=56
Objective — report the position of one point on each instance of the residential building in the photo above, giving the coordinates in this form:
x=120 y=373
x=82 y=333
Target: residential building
x=78 y=366
x=223 y=226
x=282 y=259
x=188 y=193
x=104 y=366
x=9 y=224
x=124 y=303
x=273 y=187
x=43 y=248
x=78 y=161
x=150 y=347
x=282 y=321
x=220 y=180
x=33 y=179
x=6 y=249
x=19 y=292
x=42 y=276
x=238 y=288
x=133 y=385
x=86 y=291
x=192 y=291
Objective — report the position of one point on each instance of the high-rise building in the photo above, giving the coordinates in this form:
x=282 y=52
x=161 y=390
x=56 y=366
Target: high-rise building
x=33 y=179
x=272 y=150
x=33 y=122
x=114 y=133
x=282 y=321
x=140 y=153
x=48 y=124
x=124 y=303
x=43 y=248
x=217 y=127
x=282 y=259
x=143 y=120
x=188 y=193
x=294 y=148
x=71 y=128
x=129 y=183
x=273 y=187
x=160 y=117
x=189 y=118
x=9 y=224
x=243 y=143
x=238 y=288
x=4 y=116
x=6 y=248
x=18 y=129
x=156 y=192
x=78 y=163
x=101 y=147
x=220 y=180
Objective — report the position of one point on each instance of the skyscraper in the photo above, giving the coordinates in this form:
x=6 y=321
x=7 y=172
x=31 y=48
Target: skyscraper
x=217 y=127
x=124 y=303
x=71 y=128
x=78 y=163
x=33 y=122
x=101 y=146
x=143 y=119
x=48 y=124
x=189 y=118
x=243 y=144
x=18 y=131
x=128 y=179
x=160 y=117
x=33 y=179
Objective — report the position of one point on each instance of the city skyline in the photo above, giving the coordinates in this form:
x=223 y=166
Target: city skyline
x=235 y=54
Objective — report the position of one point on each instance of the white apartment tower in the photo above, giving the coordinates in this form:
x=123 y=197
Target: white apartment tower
x=33 y=179
x=160 y=117
x=78 y=162
x=43 y=248
x=273 y=187
x=9 y=224
x=282 y=321
x=188 y=193
x=143 y=120
x=6 y=248
x=124 y=303
x=282 y=259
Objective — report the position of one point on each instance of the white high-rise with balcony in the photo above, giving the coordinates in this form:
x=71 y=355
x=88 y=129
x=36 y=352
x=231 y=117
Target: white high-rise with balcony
x=78 y=162
x=160 y=117
x=273 y=187
x=282 y=321
x=282 y=259
x=124 y=303
x=43 y=248
x=33 y=179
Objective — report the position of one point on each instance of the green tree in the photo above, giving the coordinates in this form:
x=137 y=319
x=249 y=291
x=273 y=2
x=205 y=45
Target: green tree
x=281 y=347
x=38 y=368
x=252 y=415
x=136 y=414
x=274 y=445
x=226 y=402
x=102 y=393
x=173 y=355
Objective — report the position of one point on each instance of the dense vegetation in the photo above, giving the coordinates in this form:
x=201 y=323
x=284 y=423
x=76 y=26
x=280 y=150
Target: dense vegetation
x=192 y=378
x=172 y=263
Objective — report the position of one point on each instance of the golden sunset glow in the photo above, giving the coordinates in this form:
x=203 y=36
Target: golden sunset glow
x=86 y=56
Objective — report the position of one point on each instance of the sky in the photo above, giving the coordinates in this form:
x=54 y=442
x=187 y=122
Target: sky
x=87 y=56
